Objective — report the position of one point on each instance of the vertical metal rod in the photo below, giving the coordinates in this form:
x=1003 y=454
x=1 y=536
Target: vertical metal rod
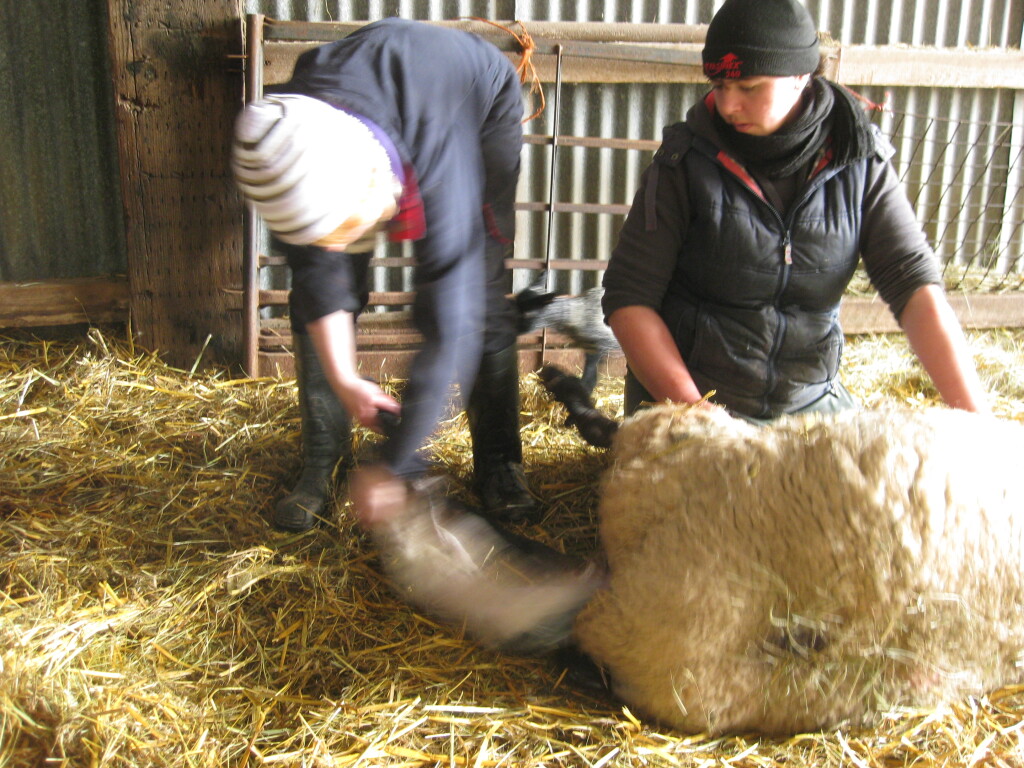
x=555 y=124
x=251 y=224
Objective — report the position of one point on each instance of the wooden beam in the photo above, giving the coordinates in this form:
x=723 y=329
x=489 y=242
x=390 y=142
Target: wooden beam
x=63 y=302
x=906 y=66
x=578 y=31
x=671 y=53
x=856 y=314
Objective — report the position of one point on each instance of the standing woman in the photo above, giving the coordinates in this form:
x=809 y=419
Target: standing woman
x=747 y=229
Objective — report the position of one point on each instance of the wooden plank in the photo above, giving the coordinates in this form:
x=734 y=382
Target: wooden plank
x=64 y=302
x=907 y=66
x=857 y=65
x=593 y=142
x=381 y=364
x=583 y=265
x=409 y=262
x=857 y=314
x=580 y=31
x=387 y=350
x=581 y=62
x=177 y=84
x=279 y=298
x=618 y=209
x=382 y=337
x=251 y=219
x=390 y=331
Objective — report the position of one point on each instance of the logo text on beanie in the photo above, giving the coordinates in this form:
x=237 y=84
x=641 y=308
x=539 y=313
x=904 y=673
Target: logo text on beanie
x=729 y=66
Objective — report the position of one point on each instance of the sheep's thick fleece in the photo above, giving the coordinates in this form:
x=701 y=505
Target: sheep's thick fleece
x=810 y=573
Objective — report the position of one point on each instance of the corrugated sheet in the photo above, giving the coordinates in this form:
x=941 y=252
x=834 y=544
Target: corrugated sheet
x=589 y=175
x=943 y=23
x=60 y=208
x=959 y=152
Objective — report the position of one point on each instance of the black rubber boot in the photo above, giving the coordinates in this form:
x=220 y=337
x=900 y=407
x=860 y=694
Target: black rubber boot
x=493 y=411
x=326 y=440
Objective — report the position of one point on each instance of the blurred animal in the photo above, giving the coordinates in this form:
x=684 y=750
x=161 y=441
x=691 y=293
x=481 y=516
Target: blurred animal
x=507 y=591
x=580 y=318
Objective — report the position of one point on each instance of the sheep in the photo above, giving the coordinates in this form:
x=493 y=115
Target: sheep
x=807 y=574
x=578 y=317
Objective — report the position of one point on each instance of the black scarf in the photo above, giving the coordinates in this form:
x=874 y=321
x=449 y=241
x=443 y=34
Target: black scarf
x=829 y=110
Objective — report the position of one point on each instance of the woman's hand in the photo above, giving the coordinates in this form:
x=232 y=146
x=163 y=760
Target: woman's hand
x=335 y=340
x=364 y=399
x=935 y=335
x=653 y=356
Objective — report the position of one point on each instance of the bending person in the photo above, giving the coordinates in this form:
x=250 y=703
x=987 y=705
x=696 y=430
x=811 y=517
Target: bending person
x=415 y=128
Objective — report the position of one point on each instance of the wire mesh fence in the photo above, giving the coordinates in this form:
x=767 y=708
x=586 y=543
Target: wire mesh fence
x=959 y=156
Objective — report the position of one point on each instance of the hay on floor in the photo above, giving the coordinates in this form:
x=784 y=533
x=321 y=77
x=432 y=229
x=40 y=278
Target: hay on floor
x=150 y=616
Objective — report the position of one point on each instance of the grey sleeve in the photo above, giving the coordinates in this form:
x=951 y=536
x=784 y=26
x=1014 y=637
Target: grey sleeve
x=896 y=253
x=644 y=259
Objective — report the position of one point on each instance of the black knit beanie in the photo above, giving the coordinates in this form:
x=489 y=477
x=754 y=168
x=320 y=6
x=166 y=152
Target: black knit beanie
x=751 y=38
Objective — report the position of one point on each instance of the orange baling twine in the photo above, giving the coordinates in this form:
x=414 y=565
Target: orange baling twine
x=525 y=69
x=868 y=103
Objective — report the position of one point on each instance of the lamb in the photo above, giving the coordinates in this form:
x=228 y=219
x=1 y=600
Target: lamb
x=578 y=317
x=504 y=590
x=811 y=573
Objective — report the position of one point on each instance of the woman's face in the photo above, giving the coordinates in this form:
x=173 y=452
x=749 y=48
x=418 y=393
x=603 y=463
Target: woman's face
x=759 y=106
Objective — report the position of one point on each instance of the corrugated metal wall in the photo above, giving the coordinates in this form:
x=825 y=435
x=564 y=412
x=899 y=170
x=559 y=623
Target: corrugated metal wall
x=60 y=206
x=959 y=151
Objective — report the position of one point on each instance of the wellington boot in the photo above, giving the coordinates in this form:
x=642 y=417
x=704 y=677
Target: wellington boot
x=493 y=411
x=326 y=440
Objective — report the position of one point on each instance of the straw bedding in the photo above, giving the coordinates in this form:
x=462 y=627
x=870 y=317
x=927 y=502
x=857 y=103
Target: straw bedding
x=150 y=616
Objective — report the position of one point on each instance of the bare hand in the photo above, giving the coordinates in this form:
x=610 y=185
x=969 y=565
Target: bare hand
x=363 y=399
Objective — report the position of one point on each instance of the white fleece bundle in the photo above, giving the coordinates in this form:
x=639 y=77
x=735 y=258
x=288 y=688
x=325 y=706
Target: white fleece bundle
x=809 y=573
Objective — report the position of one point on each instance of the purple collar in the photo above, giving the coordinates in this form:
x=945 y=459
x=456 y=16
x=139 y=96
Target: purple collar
x=397 y=167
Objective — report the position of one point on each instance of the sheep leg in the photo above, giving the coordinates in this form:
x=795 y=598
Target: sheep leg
x=596 y=428
x=589 y=377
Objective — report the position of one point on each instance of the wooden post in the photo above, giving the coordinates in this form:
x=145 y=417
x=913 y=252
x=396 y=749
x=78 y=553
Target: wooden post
x=250 y=255
x=178 y=85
